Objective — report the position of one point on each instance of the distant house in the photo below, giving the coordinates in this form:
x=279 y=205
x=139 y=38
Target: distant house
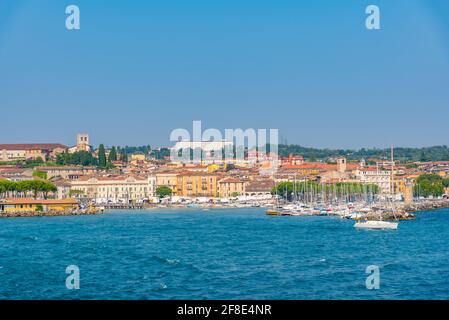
x=230 y=187
x=16 y=174
x=116 y=188
x=67 y=172
x=292 y=160
x=260 y=187
x=44 y=151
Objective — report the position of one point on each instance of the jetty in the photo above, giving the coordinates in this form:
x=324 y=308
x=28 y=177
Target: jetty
x=426 y=205
x=123 y=206
x=77 y=212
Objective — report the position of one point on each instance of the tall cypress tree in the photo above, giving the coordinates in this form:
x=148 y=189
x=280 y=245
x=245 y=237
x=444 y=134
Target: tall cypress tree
x=113 y=155
x=101 y=156
x=124 y=157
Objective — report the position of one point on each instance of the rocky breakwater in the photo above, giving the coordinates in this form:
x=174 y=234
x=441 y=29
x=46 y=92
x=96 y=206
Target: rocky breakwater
x=389 y=215
x=406 y=211
x=11 y=214
x=426 y=205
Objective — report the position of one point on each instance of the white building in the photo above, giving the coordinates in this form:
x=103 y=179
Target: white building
x=375 y=176
x=117 y=188
x=212 y=151
x=206 y=146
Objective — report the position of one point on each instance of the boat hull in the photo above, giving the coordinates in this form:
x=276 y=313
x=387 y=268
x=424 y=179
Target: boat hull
x=379 y=225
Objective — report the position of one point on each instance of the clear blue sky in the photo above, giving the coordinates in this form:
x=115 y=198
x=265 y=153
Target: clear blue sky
x=138 y=69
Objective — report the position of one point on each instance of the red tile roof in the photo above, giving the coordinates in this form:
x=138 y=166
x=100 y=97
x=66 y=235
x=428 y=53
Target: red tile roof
x=231 y=180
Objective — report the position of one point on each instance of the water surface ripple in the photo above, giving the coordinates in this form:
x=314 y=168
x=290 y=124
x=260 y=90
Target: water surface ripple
x=221 y=254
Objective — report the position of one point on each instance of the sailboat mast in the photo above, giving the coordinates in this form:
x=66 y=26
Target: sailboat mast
x=392 y=172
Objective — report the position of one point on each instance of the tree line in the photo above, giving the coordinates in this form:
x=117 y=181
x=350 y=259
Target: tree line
x=435 y=153
x=427 y=185
x=23 y=188
x=85 y=158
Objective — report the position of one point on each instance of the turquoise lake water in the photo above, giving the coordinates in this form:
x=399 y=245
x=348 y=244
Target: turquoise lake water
x=221 y=254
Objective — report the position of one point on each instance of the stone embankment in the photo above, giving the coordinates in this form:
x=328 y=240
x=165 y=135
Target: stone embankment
x=406 y=211
x=426 y=205
x=50 y=213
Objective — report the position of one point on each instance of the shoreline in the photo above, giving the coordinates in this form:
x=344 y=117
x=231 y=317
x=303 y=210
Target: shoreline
x=406 y=210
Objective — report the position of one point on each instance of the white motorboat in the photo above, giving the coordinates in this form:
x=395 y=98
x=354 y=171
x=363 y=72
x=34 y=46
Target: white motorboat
x=374 y=224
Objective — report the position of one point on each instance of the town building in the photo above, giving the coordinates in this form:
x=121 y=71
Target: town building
x=259 y=187
x=30 y=151
x=82 y=143
x=67 y=172
x=370 y=175
x=117 y=188
x=16 y=174
x=63 y=188
x=169 y=179
x=231 y=187
x=197 y=184
x=31 y=205
x=292 y=160
x=210 y=151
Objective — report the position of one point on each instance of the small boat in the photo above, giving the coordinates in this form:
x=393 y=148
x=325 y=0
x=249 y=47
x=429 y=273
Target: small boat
x=376 y=224
x=271 y=212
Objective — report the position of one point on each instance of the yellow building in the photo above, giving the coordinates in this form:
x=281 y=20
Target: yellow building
x=402 y=183
x=197 y=184
x=169 y=179
x=213 y=167
x=231 y=187
x=27 y=205
x=138 y=157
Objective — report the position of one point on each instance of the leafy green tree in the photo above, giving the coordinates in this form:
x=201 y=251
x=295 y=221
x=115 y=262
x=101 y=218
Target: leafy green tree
x=40 y=174
x=163 y=191
x=435 y=153
x=101 y=156
x=76 y=193
x=23 y=187
x=160 y=153
x=112 y=155
x=36 y=162
x=446 y=183
x=131 y=150
x=80 y=158
x=427 y=185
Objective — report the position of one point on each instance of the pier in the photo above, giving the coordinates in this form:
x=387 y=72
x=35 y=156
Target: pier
x=123 y=206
